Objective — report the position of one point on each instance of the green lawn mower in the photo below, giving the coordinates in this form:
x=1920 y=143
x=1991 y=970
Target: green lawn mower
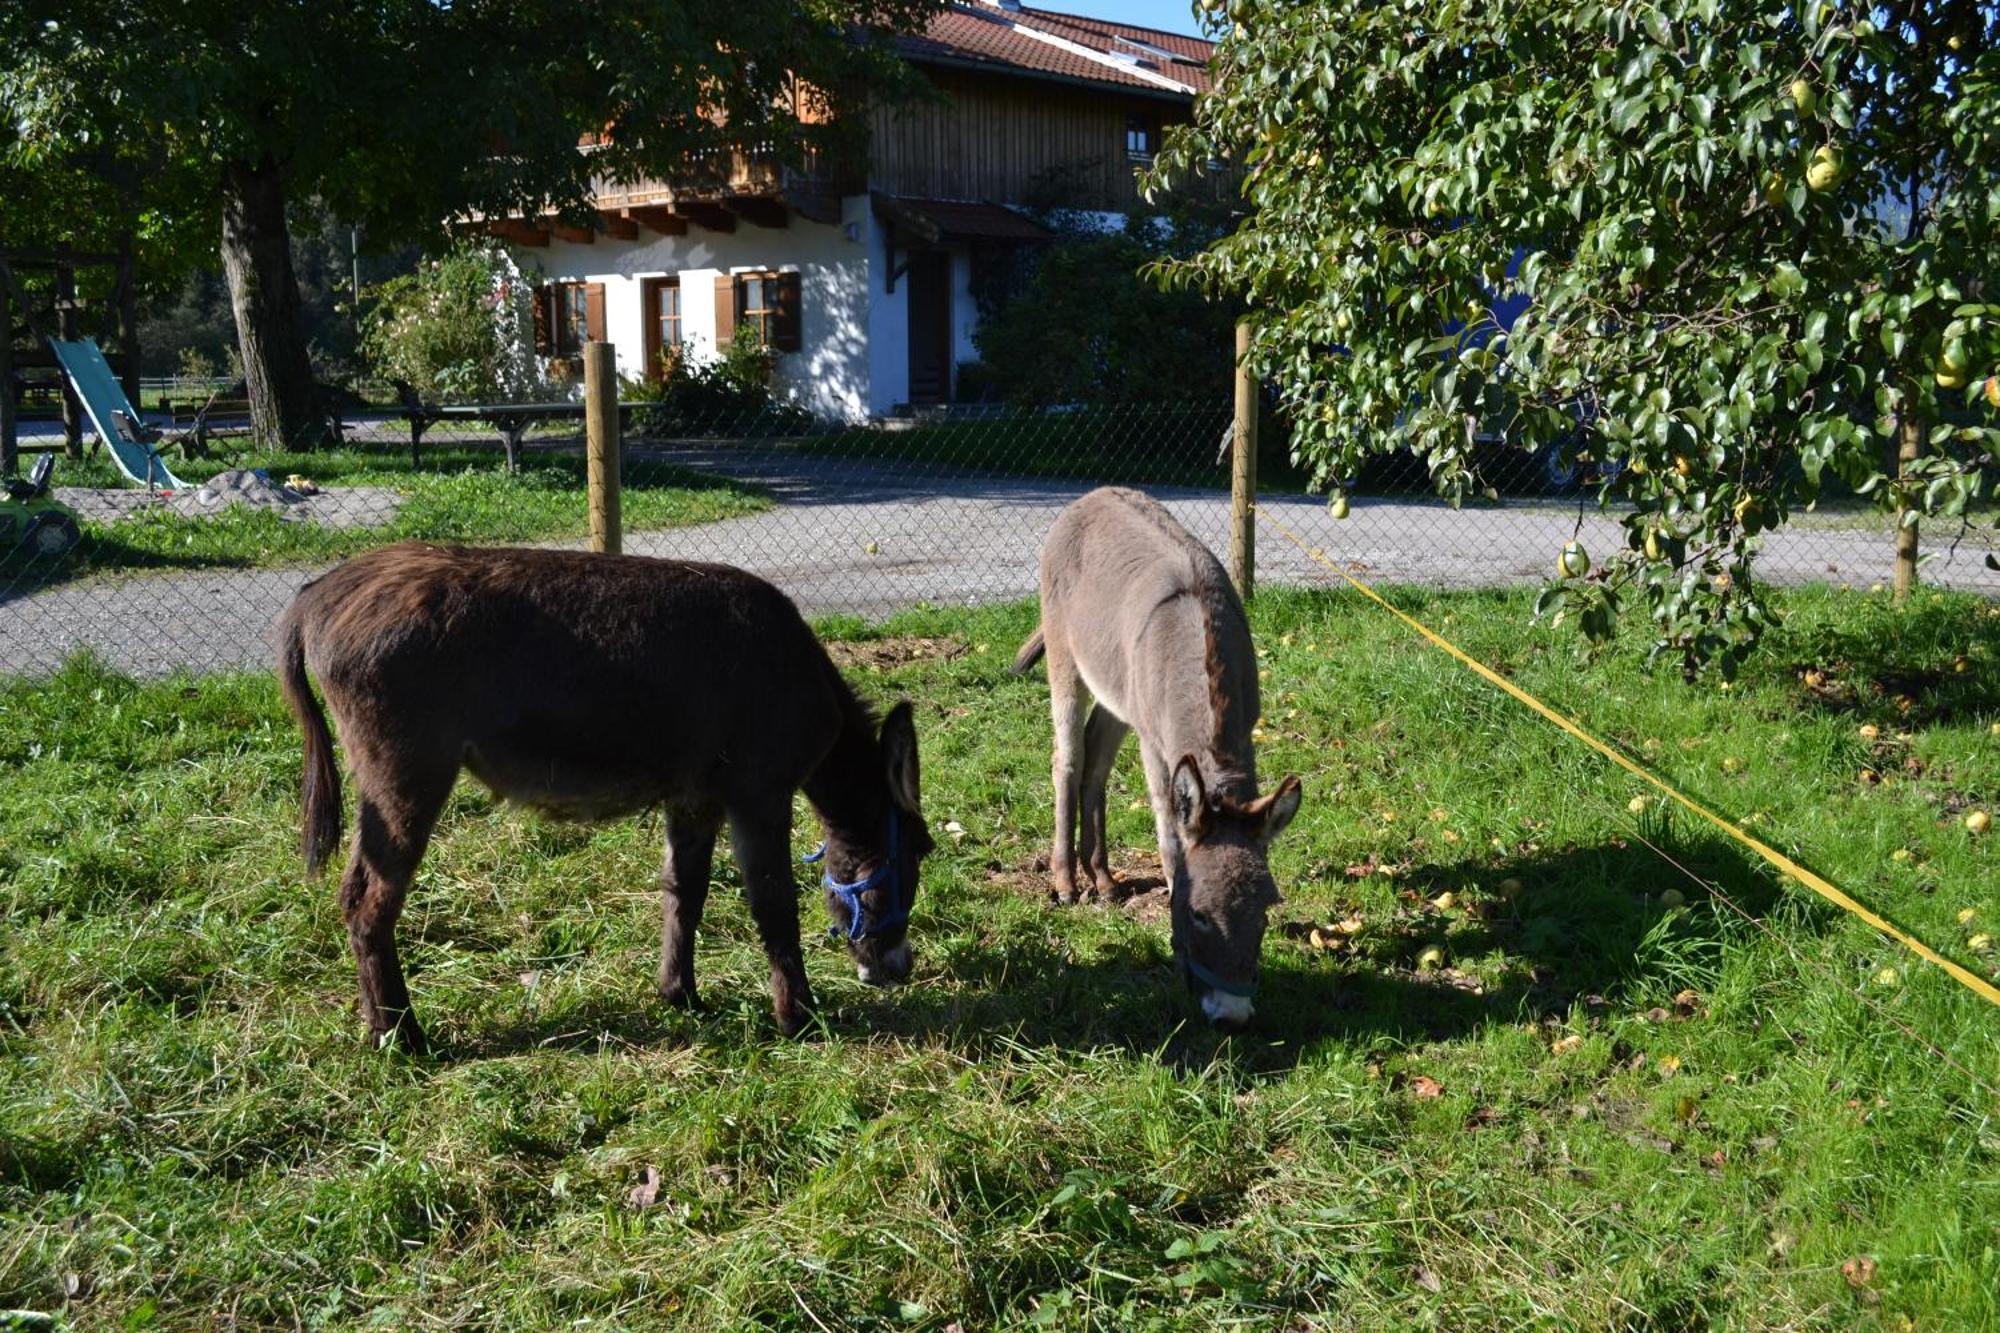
x=32 y=525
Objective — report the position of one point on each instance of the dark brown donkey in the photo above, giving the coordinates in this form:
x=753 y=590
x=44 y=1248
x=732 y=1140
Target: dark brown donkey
x=593 y=686
x=1139 y=614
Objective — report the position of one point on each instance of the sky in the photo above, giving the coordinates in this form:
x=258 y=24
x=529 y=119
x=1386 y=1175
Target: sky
x=1170 y=15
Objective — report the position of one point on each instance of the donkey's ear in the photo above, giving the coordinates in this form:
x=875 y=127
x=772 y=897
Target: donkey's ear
x=899 y=757
x=1190 y=797
x=1276 y=810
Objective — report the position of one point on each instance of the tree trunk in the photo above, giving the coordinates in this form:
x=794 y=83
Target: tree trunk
x=1909 y=444
x=264 y=293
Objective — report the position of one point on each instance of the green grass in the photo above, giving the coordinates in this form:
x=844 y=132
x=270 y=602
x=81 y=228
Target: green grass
x=459 y=494
x=1031 y=1133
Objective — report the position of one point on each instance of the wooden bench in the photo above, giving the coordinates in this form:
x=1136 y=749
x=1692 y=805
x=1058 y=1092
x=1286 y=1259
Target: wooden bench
x=189 y=412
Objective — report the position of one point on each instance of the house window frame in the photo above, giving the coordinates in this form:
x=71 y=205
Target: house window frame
x=763 y=317
x=569 y=317
x=1142 y=136
x=658 y=344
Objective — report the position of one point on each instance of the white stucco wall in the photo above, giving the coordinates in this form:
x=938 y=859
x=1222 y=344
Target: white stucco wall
x=854 y=356
x=830 y=375
x=888 y=322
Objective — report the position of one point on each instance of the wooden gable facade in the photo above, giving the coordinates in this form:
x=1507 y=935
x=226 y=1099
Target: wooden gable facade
x=1020 y=141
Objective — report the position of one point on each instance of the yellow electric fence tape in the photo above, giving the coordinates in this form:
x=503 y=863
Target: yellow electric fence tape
x=1971 y=981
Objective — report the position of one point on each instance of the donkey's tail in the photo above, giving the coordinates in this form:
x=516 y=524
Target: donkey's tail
x=319 y=794
x=1031 y=653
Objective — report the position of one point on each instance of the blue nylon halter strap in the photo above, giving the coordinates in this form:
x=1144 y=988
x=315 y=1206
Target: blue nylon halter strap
x=859 y=927
x=1241 y=989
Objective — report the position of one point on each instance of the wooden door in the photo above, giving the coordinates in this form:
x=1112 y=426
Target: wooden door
x=929 y=279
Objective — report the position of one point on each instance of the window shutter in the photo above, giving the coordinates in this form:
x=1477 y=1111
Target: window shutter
x=593 y=311
x=785 y=335
x=544 y=321
x=725 y=311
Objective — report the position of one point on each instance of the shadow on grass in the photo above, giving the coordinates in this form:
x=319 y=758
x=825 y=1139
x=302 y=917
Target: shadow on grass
x=1588 y=926
x=1921 y=664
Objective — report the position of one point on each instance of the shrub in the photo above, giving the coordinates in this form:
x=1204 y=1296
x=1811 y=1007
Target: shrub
x=728 y=393
x=1084 y=326
x=451 y=330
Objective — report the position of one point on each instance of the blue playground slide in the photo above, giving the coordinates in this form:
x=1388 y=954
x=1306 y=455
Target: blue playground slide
x=97 y=388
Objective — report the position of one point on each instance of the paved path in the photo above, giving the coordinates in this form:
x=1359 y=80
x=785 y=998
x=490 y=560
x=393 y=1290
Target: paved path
x=870 y=537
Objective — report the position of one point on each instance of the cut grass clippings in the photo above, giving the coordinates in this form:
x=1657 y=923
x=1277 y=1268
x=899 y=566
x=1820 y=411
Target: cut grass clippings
x=460 y=493
x=1589 y=1108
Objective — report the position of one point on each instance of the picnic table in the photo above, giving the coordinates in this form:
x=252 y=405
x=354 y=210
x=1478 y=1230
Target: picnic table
x=510 y=419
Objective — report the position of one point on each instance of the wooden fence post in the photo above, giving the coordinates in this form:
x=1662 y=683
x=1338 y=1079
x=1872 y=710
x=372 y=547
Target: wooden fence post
x=600 y=418
x=1909 y=444
x=1243 y=473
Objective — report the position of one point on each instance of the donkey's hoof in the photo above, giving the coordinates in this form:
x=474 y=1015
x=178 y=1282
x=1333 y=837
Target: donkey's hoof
x=676 y=996
x=792 y=1022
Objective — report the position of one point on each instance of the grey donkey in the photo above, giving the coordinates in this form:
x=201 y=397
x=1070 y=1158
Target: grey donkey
x=1140 y=614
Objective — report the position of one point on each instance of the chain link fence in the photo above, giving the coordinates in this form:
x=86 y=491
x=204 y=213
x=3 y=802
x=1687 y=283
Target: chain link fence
x=947 y=508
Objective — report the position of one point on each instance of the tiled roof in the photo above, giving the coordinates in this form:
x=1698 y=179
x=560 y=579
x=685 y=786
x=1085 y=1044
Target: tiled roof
x=1103 y=35
x=1041 y=41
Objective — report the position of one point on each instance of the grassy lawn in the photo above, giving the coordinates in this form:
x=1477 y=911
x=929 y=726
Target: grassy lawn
x=459 y=494
x=1602 y=1111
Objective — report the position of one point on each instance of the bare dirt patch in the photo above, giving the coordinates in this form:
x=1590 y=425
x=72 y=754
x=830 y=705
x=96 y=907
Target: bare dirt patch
x=898 y=651
x=1142 y=894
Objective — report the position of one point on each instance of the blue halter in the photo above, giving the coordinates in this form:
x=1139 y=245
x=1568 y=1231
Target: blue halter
x=1241 y=989
x=858 y=925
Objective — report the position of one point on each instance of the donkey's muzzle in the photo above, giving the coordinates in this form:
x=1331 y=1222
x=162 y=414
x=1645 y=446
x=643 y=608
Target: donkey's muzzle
x=888 y=967
x=1226 y=1004
x=1226 y=1011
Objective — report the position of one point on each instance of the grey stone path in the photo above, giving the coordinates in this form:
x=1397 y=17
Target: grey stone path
x=871 y=537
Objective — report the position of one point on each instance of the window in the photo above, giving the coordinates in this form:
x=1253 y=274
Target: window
x=757 y=304
x=567 y=315
x=572 y=321
x=667 y=313
x=663 y=331
x=766 y=302
x=1142 y=136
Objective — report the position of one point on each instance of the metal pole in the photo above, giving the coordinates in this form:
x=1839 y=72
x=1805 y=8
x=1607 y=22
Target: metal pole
x=128 y=325
x=72 y=411
x=10 y=442
x=600 y=421
x=1243 y=473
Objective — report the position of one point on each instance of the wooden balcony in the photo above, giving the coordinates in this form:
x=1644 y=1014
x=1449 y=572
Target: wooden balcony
x=754 y=182
x=716 y=190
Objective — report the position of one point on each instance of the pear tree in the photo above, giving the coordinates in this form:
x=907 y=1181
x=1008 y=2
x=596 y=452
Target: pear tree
x=1741 y=251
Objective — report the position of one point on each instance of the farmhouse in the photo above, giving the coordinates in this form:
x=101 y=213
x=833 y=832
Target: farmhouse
x=861 y=277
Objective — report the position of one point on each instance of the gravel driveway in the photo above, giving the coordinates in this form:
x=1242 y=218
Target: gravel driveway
x=870 y=537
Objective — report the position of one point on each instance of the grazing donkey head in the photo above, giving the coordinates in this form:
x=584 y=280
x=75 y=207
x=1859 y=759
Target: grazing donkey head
x=1219 y=914
x=871 y=868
